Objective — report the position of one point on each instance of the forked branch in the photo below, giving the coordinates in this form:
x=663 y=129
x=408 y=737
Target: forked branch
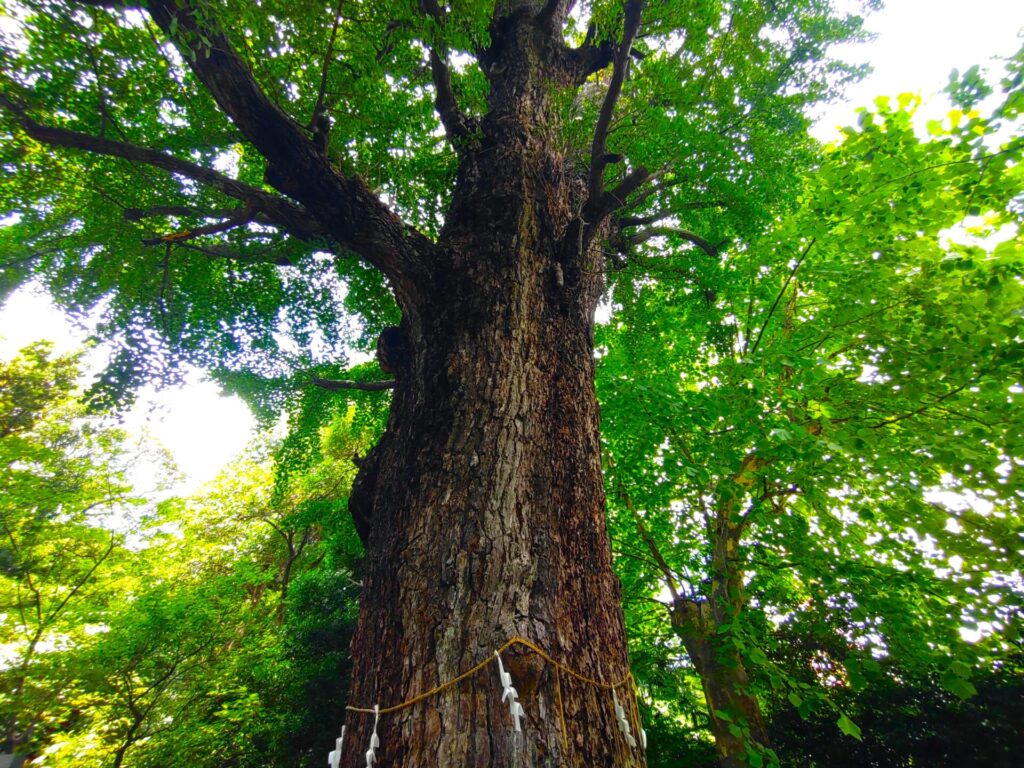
x=238 y=219
x=351 y=212
x=598 y=203
x=277 y=210
x=554 y=14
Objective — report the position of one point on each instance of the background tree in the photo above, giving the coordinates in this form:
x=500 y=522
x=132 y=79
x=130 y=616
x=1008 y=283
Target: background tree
x=796 y=404
x=248 y=142
x=231 y=644
x=64 y=509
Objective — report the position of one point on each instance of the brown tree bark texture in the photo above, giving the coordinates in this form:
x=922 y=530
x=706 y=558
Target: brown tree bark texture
x=484 y=497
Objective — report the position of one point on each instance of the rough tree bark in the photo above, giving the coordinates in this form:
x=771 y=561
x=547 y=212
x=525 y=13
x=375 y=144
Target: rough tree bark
x=698 y=621
x=483 y=501
x=722 y=673
x=482 y=506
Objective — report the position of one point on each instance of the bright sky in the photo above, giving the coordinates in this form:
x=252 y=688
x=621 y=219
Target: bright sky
x=202 y=429
x=918 y=42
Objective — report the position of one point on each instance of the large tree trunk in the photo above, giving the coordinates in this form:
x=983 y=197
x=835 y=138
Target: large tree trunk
x=483 y=503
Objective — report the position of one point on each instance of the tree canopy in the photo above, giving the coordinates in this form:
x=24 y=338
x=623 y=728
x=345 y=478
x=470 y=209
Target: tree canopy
x=807 y=362
x=193 y=260
x=849 y=464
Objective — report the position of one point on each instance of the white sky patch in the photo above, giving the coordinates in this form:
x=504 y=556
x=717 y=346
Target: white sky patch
x=202 y=429
x=917 y=44
x=29 y=315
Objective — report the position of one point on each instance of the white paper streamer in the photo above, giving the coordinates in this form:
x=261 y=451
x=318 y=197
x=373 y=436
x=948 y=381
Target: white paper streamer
x=371 y=753
x=510 y=694
x=620 y=715
x=334 y=759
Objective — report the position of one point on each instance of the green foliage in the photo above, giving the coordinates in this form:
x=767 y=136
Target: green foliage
x=64 y=509
x=216 y=634
x=912 y=722
x=852 y=347
x=843 y=393
x=718 y=101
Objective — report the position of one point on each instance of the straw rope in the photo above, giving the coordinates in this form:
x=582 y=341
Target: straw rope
x=621 y=748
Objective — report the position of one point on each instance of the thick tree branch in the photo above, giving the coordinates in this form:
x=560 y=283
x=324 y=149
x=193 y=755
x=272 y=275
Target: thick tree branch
x=589 y=57
x=456 y=124
x=279 y=211
x=350 y=210
x=617 y=197
x=335 y=385
x=685 y=234
x=554 y=14
x=596 y=203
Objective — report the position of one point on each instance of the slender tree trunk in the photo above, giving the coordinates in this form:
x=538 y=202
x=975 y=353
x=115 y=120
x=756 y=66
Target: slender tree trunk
x=127 y=741
x=724 y=679
x=483 y=501
x=734 y=711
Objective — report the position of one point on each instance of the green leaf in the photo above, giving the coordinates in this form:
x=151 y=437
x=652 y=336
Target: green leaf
x=757 y=656
x=850 y=728
x=958 y=686
x=960 y=669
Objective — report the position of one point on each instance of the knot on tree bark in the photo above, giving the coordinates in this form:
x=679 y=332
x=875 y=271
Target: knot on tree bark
x=692 y=616
x=392 y=349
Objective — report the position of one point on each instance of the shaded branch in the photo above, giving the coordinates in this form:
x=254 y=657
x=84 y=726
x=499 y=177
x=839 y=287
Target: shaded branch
x=456 y=125
x=666 y=571
x=220 y=252
x=240 y=218
x=281 y=212
x=782 y=292
x=924 y=408
x=319 y=124
x=138 y=214
x=618 y=196
x=685 y=234
x=589 y=58
x=595 y=184
x=335 y=385
x=660 y=186
x=695 y=205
